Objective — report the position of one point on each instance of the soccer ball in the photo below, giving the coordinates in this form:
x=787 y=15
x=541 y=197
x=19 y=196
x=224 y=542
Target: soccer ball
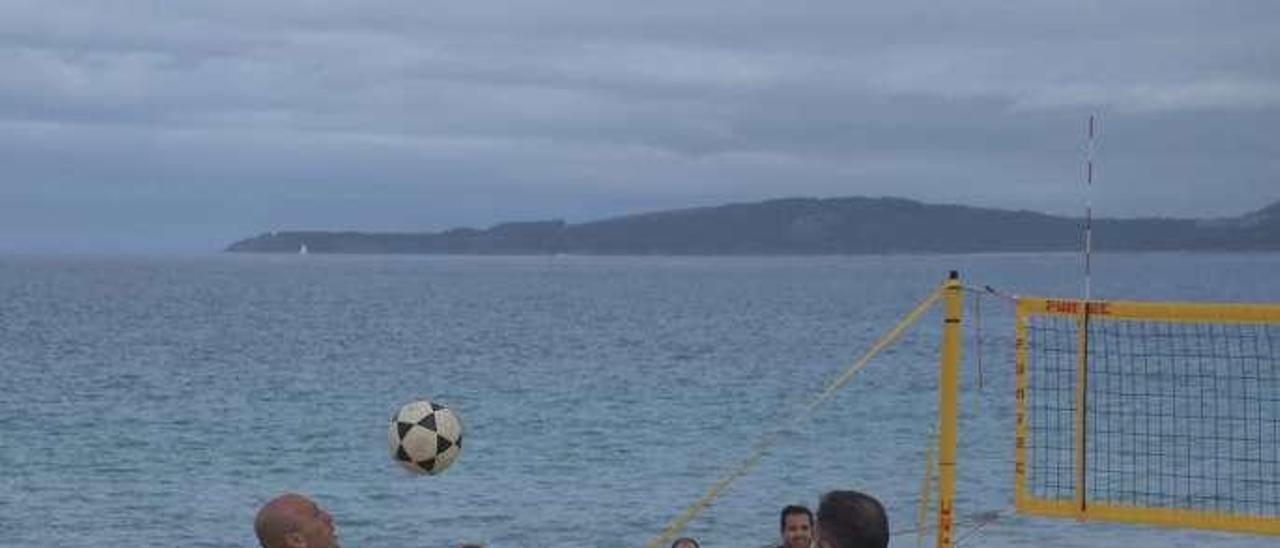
x=425 y=437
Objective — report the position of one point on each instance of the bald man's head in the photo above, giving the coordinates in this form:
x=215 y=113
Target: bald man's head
x=293 y=521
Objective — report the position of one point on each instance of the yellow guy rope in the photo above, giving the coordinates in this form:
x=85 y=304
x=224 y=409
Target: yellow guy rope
x=679 y=524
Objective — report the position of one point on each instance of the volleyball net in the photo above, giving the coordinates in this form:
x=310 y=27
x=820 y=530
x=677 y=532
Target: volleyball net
x=1145 y=413
x=1149 y=413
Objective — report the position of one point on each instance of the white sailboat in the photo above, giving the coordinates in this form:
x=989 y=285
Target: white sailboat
x=302 y=249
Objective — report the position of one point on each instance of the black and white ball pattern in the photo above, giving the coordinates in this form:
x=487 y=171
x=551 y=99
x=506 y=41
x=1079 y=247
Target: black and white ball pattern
x=425 y=437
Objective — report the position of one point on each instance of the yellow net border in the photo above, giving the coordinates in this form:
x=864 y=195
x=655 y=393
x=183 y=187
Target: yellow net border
x=1153 y=413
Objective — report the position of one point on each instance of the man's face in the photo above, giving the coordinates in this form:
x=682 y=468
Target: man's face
x=797 y=532
x=315 y=526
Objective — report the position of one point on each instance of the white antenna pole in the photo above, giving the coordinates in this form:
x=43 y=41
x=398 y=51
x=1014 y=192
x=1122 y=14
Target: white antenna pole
x=1088 y=211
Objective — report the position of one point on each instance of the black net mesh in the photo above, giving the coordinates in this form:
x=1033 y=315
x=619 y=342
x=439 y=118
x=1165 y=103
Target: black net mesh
x=1178 y=415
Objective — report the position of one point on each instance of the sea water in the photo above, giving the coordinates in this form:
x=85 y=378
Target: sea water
x=161 y=400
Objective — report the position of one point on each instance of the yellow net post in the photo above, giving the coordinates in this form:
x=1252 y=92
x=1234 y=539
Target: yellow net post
x=926 y=490
x=948 y=407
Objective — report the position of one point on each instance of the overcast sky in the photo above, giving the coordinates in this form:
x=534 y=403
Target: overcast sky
x=170 y=125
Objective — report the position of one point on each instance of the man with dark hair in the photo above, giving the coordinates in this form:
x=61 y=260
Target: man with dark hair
x=849 y=519
x=293 y=521
x=795 y=524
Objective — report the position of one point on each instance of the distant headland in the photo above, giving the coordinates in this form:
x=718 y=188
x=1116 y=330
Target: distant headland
x=803 y=226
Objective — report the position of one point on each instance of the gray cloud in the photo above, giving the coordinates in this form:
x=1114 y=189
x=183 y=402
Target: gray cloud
x=206 y=122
